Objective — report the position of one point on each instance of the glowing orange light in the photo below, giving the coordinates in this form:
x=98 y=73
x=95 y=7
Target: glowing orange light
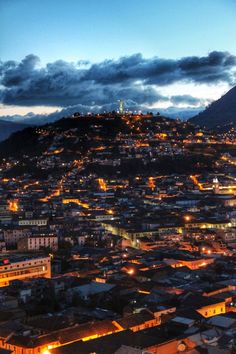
x=46 y=199
x=130 y=271
x=13 y=205
x=58 y=151
x=30 y=184
x=161 y=136
x=76 y=201
x=5 y=180
x=195 y=181
x=102 y=184
x=144 y=292
x=151 y=183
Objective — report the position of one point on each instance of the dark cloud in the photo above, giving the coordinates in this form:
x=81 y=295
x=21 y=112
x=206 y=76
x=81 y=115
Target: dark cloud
x=14 y=74
x=133 y=78
x=212 y=68
x=185 y=99
x=188 y=100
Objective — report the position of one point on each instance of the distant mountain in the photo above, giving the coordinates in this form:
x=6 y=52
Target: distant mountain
x=42 y=119
x=220 y=113
x=181 y=113
x=7 y=128
x=33 y=119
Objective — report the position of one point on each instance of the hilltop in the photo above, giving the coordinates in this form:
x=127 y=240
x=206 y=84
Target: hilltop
x=220 y=113
x=135 y=143
x=69 y=133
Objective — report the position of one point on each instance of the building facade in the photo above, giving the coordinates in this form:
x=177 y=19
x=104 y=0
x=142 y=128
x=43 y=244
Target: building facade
x=23 y=269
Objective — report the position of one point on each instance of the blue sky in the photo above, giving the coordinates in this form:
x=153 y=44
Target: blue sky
x=96 y=30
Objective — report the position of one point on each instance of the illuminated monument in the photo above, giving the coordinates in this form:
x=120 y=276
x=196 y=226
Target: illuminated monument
x=121 y=107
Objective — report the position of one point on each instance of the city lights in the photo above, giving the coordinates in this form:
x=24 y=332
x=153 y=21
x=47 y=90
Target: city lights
x=118 y=177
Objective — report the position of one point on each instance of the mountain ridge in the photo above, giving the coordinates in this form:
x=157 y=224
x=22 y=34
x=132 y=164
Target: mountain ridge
x=221 y=112
x=7 y=128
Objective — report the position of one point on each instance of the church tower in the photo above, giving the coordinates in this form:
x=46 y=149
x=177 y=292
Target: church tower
x=216 y=185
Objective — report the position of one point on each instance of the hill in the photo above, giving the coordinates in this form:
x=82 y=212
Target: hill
x=72 y=134
x=220 y=113
x=104 y=145
x=7 y=128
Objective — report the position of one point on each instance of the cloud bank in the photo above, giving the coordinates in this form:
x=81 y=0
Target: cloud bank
x=135 y=79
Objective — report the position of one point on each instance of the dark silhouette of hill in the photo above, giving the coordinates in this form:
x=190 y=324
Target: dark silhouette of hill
x=7 y=128
x=220 y=113
x=30 y=142
x=72 y=139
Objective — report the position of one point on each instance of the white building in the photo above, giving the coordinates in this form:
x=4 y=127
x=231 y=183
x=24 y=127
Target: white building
x=33 y=222
x=37 y=242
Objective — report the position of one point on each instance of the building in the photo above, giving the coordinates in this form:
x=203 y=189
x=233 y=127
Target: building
x=37 y=242
x=13 y=235
x=5 y=214
x=139 y=321
x=42 y=344
x=24 y=268
x=33 y=222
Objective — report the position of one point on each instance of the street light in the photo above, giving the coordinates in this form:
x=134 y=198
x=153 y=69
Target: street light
x=130 y=272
